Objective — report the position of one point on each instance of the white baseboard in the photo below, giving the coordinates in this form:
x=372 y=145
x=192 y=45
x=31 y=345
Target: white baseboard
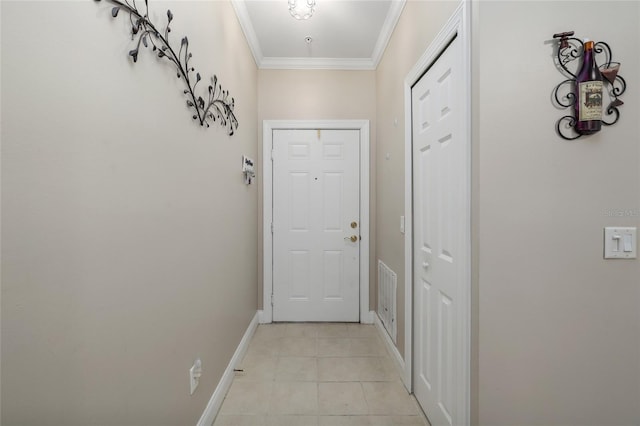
x=262 y=318
x=224 y=384
x=369 y=319
x=391 y=347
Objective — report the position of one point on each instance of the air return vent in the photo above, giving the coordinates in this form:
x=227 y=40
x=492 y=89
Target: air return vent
x=387 y=286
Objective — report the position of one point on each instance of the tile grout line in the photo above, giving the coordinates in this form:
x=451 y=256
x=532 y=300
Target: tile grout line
x=379 y=358
x=364 y=396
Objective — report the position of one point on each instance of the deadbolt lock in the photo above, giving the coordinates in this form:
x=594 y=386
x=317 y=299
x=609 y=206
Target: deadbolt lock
x=354 y=224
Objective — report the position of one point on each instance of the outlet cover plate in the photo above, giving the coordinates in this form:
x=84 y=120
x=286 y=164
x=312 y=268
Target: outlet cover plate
x=194 y=376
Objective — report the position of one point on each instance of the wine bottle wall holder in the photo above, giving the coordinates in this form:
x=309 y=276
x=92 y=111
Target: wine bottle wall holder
x=569 y=59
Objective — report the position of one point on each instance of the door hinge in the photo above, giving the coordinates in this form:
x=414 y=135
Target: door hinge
x=272 y=299
x=272 y=155
x=271 y=227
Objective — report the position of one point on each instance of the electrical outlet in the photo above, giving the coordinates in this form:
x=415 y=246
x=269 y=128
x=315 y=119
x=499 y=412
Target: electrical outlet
x=194 y=375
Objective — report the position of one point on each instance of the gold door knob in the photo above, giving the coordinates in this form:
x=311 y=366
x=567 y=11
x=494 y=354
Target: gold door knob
x=352 y=238
x=354 y=224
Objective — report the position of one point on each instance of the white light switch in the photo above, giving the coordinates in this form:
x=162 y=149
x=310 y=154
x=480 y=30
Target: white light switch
x=402 y=224
x=620 y=243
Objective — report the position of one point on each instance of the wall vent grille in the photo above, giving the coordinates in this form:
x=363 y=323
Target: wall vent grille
x=387 y=287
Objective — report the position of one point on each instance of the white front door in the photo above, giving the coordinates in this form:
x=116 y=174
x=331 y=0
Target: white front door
x=440 y=188
x=316 y=225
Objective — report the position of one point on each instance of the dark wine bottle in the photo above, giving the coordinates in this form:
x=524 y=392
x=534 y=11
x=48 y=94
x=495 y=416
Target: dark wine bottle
x=589 y=91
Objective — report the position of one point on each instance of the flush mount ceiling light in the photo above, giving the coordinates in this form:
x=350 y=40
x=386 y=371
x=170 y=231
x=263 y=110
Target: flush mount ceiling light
x=302 y=9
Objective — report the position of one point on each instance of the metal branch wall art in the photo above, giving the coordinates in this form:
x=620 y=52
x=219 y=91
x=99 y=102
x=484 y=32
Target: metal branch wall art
x=572 y=94
x=216 y=104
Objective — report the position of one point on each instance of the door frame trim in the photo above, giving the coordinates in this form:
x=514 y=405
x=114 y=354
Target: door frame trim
x=458 y=25
x=268 y=127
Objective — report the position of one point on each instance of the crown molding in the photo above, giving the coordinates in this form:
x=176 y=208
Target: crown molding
x=395 y=10
x=247 y=28
x=317 y=64
x=262 y=62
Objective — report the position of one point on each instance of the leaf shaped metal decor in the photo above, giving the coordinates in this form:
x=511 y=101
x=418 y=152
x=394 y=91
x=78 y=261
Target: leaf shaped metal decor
x=216 y=105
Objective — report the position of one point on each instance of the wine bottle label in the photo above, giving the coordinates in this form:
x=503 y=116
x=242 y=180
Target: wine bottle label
x=590 y=98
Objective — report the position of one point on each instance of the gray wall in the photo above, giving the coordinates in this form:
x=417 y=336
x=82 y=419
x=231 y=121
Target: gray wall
x=558 y=326
x=128 y=237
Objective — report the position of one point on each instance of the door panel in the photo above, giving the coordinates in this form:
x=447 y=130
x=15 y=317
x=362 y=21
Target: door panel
x=439 y=191
x=300 y=190
x=299 y=269
x=315 y=198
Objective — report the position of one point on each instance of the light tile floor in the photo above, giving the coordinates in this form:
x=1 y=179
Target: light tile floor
x=299 y=374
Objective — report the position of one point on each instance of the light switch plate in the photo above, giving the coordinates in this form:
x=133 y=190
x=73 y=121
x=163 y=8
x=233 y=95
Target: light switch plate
x=620 y=243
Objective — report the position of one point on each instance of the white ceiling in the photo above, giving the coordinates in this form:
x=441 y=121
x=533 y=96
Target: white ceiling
x=346 y=34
